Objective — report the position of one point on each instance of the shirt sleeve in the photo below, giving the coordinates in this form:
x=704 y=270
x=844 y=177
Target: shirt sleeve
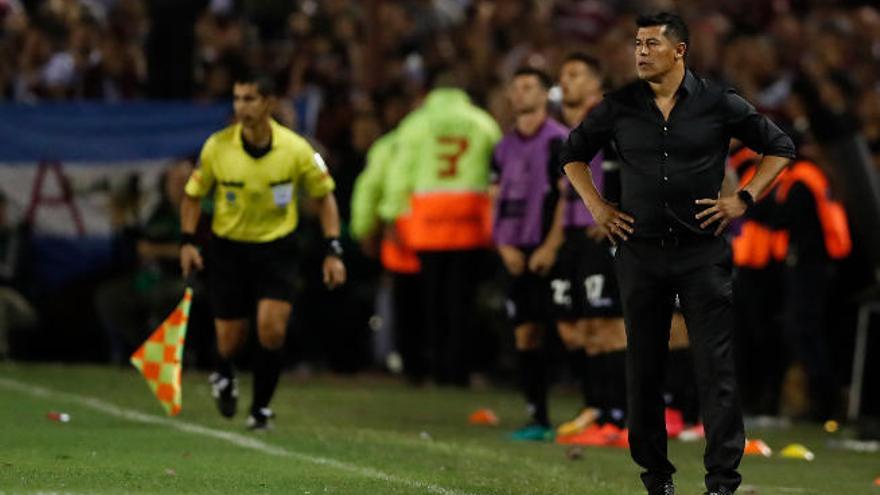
x=202 y=179
x=367 y=193
x=590 y=136
x=400 y=174
x=313 y=173
x=754 y=129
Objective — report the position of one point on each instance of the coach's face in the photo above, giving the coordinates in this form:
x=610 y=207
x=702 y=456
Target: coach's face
x=527 y=94
x=656 y=54
x=250 y=106
x=578 y=81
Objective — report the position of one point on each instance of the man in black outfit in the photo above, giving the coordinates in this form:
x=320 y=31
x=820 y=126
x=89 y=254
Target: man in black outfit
x=672 y=130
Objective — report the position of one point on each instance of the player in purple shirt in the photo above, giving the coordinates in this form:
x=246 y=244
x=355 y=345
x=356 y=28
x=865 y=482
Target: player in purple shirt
x=525 y=204
x=583 y=284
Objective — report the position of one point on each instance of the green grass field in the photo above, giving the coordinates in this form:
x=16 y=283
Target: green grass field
x=336 y=436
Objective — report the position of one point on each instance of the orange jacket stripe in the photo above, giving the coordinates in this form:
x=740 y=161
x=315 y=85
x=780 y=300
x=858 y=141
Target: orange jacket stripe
x=395 y=255
x=832 y=216
x=753 y=246
x=445 y=221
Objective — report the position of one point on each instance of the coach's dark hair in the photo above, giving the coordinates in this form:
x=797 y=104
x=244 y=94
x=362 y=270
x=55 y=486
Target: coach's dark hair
x=265 y=84
x=542 y=76
x=588 y=60
x=676 y=28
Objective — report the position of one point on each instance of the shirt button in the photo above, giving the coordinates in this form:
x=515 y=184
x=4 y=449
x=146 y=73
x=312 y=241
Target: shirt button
x=665 y=128
x=669 y=229
x=665 y=155
x=665 y=178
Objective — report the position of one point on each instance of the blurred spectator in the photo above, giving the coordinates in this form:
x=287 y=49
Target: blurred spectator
x=131 y=305
x=171 y=46
x=817 y=233
x=16 y=313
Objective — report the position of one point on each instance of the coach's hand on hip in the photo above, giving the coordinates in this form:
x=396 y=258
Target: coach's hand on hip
x=334 y=271
x=190 y=258
x=617 y=224
x=721 y=210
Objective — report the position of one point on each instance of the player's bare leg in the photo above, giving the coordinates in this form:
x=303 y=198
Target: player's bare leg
x=272 y=318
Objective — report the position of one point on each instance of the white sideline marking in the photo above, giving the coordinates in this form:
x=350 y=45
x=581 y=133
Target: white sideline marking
x=236 y=439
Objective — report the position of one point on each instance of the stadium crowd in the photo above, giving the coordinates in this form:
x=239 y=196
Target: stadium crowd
x=348 y=71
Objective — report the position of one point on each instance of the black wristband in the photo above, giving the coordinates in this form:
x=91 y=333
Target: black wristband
x=334 y=247
x=746 y=198
x=188 y=238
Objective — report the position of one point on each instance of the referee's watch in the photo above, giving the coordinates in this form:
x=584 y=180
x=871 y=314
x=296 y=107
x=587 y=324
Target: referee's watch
x=746 y=197
x=334 y=247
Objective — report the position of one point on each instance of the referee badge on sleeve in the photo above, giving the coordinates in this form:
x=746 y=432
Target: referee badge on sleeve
x=319 y=162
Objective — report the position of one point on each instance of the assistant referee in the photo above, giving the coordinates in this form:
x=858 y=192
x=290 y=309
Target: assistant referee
x=255 y=168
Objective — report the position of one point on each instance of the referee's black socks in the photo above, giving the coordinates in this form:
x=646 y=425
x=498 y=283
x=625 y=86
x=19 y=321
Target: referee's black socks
x=224 y=367
x=533 y=379
x=267 y=370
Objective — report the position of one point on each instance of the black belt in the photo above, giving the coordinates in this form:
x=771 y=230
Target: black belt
x=673 y=240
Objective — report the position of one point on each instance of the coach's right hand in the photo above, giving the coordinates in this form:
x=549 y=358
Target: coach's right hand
x=617 y=223
x=190 y=258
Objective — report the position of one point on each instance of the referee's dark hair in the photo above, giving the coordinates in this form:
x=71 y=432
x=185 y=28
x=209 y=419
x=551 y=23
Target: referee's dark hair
x=264 y=83
x=676 y=28
x=588 y=60
x=542 y=76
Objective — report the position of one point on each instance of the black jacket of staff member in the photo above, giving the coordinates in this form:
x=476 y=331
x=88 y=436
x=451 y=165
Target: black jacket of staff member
x=672 y=130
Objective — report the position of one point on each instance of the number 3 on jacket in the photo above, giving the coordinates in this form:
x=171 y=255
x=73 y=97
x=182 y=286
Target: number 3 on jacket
x=451 y=149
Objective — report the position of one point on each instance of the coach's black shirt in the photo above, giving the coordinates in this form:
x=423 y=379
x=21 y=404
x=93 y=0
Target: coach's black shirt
x=666 y=165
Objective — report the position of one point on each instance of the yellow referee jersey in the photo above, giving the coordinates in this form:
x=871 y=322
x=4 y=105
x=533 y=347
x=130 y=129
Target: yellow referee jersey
x=255 y=198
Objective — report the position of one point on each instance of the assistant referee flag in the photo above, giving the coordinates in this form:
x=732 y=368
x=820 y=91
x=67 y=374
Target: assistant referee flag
x=160 y=358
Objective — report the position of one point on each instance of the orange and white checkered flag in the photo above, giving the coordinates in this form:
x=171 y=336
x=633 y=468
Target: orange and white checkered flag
x=159 y=359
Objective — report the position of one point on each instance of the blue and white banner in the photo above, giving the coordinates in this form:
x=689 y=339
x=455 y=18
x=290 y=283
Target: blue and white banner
x=62 y=165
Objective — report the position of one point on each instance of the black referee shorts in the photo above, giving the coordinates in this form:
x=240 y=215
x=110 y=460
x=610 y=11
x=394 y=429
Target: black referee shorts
x=241 y=273
x=583 y=284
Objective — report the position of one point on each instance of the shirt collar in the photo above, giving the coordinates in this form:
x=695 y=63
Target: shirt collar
x=446 y=96
x=239 y=141
x=688 y=85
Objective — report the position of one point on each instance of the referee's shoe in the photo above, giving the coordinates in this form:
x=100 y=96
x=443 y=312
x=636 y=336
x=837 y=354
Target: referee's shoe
x=665 y=488
x=259 y=419
x=225 y=392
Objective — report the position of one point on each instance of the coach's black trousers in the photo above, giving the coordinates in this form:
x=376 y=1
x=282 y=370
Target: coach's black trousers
x=651 y=273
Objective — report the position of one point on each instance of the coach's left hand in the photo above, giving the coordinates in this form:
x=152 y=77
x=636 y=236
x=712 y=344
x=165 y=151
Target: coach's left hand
x=721 y=210
x=334 y=272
